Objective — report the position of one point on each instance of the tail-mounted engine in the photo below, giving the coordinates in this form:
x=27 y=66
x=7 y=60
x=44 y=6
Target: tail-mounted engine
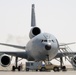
x=5 y=60
x=34 y=31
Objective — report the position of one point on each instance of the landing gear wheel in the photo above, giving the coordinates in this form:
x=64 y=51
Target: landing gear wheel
x=13 y=68
x=19 y=68
x=64 y=68
x=36 y=69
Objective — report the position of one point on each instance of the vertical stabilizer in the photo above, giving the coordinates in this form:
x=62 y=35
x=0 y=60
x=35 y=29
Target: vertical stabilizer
x=33 y=21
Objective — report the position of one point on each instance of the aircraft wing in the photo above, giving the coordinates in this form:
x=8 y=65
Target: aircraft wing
x=23 y=47
x=15 y=46
x=64 y=44
x=22 y=53
x=65 y=54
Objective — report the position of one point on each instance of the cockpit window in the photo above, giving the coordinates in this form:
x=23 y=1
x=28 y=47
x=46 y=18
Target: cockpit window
x=44 y=41
x=47 y=40
x=52 y=40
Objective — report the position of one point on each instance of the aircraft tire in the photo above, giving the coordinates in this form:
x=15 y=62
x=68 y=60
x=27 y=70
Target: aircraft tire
x=13 y=68
x=64 y=68
x=19 y=68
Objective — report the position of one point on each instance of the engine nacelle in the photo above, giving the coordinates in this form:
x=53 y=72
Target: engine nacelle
x=34 y=31
x=5 y=60
x=73 y=61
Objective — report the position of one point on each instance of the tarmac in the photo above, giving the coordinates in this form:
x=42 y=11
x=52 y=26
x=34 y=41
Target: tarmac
x=38 y=73
x=7 y=71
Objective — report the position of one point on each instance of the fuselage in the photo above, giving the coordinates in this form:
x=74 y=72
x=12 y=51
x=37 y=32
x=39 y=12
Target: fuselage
x=41 y=46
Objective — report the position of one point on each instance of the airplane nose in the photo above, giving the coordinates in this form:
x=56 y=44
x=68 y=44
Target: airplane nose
x=47 y=47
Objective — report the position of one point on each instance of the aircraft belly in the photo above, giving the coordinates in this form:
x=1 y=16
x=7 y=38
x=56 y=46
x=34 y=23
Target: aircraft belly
x=39 y=54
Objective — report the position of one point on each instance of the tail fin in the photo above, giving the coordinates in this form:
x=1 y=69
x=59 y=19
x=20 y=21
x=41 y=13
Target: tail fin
x=33 y=21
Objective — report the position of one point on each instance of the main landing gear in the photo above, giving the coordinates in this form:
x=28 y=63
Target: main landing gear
x=16 y=65
x=63 y=68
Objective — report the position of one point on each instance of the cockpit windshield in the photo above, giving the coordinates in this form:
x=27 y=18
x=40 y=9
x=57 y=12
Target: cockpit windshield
x=44 y=41
x=47 y=40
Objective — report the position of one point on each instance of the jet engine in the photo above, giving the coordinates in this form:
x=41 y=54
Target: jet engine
x=73 y=61
x=5 y=60
x=34 y=31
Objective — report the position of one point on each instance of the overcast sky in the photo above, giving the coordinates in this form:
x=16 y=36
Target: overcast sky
x=57 y=17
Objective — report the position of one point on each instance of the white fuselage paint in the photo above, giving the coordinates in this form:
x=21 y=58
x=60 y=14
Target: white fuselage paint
x=36 y=47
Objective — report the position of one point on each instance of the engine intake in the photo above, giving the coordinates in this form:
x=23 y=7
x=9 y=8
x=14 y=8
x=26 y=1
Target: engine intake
x=34 y=31
x=5 y=60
